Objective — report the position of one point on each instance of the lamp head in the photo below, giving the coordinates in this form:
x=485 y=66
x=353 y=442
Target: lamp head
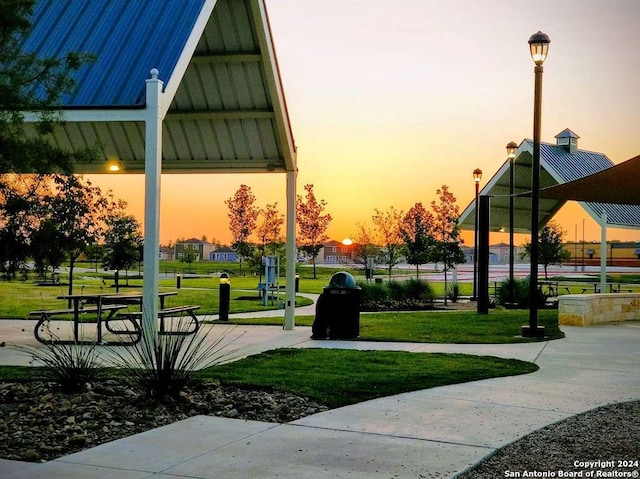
x=539 y=46
x=511 y=150
x=224 y=278
x=477 y=175
x=114 y=166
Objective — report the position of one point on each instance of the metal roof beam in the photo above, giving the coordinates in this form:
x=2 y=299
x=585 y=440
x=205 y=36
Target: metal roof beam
x=230 y=57
x=221 y=115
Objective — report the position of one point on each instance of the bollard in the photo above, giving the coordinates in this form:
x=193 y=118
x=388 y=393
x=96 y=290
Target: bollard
x=178 y=278
x=225 y=296
x=297 y=283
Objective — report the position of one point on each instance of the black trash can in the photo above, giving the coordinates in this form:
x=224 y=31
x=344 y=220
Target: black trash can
x=338 y=309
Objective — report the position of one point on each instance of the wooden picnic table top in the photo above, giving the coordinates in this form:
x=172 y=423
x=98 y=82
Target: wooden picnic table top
x=135 y=295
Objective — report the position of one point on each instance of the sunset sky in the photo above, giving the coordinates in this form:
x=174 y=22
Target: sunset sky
x=389 y=100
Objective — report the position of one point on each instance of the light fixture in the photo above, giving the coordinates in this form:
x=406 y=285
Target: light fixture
x=477 y=176
x=512 y=148
x=114 y=166
x=539 y=46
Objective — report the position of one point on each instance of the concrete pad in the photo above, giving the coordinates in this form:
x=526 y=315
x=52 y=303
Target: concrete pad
x=59 y=470
x=307 y=453
x=159 y=449
x=429 y=417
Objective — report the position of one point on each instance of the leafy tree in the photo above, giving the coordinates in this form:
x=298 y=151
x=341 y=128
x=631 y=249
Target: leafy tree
x=387 y=226
x=243 y=217
x=190 y=254
x=78 y=210
x=416 y=230
x=269 y=230
x=35 y=84
x=312 y=224
x=21 y=213
x=447 y=249
x=550 y=249
x=44 y=248
x=95 y=253
x=363 y=248
x=122 y=240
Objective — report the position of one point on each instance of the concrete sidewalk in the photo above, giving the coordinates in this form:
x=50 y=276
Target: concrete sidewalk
x=435 y=433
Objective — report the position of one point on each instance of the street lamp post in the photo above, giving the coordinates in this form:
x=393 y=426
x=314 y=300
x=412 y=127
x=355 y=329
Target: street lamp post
x=539 y=47
x=512 y=147
x=477 y=176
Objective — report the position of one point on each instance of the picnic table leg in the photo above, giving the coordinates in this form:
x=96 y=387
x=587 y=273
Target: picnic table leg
x=76 y=317
x=99 y=322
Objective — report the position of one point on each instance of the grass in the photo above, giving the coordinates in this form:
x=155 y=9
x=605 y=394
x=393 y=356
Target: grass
x=459 y=327
x=339 y=377
x=17 y=298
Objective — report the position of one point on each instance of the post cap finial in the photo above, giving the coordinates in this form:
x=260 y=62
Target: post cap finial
x=154 y=73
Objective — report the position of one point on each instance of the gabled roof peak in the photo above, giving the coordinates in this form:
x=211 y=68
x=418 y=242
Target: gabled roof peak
x=566 y=133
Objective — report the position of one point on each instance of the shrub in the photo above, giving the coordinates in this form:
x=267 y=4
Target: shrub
x=70 y=366
x=453 y=292
x=396 y=295
x=161 y=367
x=520 y=292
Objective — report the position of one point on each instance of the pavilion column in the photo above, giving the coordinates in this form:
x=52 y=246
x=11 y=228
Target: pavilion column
x=153 y=169
x=290 y=304
x=603 y=252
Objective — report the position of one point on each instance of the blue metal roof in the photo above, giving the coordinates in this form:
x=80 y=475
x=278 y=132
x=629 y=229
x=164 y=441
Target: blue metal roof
x=128 y=38
x=571 y=166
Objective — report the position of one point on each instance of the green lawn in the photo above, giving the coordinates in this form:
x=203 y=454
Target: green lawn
x=338 y=377
x=17 y=298
x=461 y=327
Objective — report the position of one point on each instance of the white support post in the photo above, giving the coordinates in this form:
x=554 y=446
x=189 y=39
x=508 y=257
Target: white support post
x=290 y=304
x=153 y=169
x=603 y=253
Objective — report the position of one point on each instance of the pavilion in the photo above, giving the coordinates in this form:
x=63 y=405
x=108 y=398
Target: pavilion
x=178 y=86
x=607 y=192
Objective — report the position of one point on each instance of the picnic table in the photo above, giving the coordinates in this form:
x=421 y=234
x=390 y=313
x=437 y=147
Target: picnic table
x=102 y=308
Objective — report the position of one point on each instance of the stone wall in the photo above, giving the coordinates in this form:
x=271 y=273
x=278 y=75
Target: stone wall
x=587 y=309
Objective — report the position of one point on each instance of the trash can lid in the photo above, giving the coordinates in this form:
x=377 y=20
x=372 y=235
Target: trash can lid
x=342 y=279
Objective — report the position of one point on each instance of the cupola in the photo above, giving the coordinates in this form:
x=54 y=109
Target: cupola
x=568 y=140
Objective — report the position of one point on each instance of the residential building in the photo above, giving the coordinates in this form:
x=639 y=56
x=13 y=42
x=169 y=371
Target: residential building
x=223 y=254
x=335 y=252
x=167 y=253
x=198 y=250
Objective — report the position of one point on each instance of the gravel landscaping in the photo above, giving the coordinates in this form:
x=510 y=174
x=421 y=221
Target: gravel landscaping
x=608 y=434
x=40 y=423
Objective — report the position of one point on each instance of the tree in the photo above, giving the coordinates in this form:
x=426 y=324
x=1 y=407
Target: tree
x=122 y=240
x=312 y=224
x=78 y=210
x=44 y=248
x=35 y=84
x=269 y=230
x=416 y=230
x=243 y=217
x=21 y=213
x=550 y=249
x=387 y=226
x=364 y=251
x=447 y=249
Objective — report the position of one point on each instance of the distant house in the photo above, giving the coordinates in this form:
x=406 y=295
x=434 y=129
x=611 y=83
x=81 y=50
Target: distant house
x=194 y=249
x=223 y=254
x=167 y=253
x=335 y=252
